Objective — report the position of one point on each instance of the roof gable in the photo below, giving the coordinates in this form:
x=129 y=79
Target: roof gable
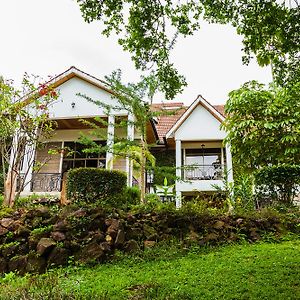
x=199 y=101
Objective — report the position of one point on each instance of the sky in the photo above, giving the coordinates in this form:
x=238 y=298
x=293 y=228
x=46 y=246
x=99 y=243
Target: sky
x=46 y=37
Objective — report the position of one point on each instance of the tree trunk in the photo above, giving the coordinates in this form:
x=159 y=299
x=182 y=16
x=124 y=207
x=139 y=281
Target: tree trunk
x=10 y=187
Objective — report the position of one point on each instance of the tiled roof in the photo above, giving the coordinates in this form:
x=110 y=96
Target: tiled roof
x=220 y=109
x=165 y=122
x=173 y=112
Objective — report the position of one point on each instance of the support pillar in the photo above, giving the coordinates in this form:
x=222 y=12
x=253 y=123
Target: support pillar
x=178 y=172
x=229 y=164
x=110 y=142
x=130 y=137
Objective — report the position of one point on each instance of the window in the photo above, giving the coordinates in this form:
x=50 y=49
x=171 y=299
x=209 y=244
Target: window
x=203 y=157
x=75 y=157
x=203 y=164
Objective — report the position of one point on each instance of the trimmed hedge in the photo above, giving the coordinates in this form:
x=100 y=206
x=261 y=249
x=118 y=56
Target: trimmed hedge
x=93 y=184
x=278 y=183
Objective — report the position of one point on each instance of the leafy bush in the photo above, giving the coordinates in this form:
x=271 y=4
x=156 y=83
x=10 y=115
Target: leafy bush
x=92 y=184
x=243 y=192
x=165 y=167
x=277 y=184
x=132 y=195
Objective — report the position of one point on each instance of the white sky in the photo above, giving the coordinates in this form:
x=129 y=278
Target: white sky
x=46 y=37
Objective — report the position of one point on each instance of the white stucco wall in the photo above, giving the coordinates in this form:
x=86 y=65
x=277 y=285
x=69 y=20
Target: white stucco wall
x=62 y=108
x=200 y=125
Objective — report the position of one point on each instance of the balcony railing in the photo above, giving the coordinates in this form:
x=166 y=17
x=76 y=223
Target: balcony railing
x=203 y=172
x=46 y=182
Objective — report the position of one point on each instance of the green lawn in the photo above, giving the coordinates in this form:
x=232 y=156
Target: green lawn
x=260 y=271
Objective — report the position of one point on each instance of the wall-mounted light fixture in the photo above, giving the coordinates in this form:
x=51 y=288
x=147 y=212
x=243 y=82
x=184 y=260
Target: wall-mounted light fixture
x=73 y=104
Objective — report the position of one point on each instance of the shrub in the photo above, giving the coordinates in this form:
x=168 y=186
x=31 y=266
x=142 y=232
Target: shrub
x=133 y=195
x=92 y=184
x=277 y=184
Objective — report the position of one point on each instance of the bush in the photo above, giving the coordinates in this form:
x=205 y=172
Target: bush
x=133 y=195
x=92 y=184
x=277 y=184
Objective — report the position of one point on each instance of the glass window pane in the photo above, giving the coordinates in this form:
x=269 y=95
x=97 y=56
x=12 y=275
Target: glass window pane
x=91 y=163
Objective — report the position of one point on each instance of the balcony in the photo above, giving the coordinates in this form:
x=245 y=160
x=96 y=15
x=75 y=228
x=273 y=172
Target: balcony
x=202 y=172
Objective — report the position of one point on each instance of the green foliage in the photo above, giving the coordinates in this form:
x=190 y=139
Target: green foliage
x=263 y=126
x=165 y=167
x=242 y=194
x=21 y=113
x=150 y=29
x=5 y=211
x=153 y=203
x=132 y=195
x=92 y=184
x=277 y=184
x=41 y=230
x=260 y=271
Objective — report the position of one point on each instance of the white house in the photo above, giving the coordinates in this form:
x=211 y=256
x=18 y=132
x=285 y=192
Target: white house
x=193 y=133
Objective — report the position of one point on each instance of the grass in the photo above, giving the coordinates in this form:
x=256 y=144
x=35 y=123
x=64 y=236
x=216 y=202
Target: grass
x=260 y=271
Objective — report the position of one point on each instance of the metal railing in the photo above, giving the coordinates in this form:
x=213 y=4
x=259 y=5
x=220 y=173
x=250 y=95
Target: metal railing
x=203 y=172
x=46 y=182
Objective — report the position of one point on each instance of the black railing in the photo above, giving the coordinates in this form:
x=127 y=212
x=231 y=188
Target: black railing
x=46 y=182
x=203 y=172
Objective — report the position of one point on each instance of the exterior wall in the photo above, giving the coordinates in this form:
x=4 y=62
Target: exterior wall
x=120 y=164
x=200 y=125
x=51 y=161
x=62 y=108
x=199 y=186
x=71 y=135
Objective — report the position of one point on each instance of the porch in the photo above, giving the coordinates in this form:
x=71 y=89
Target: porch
x=201 y=167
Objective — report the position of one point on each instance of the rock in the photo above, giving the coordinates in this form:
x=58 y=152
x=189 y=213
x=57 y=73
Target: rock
x=42 y=212
x=239 y=221
x=62 y=225
x=193 y=236
x=6 y=222
x=9 y=250
x=105 y=246
x=3 y=231
x=120 y=239
x=58 y=257
x=18 y=264
x=20 y=229
x=98 y=237
x=45 y=245
x=109 y=239
x=132 y=246
x=35 y=264
x=219 y=224
x=149 y=244
x=211 y=237
x=134 y=233
x=254 y=235
x=3 y=265
x=91 y=252
x=113 y=228
x=149 y=230
x=58 y=236
x=78 y=213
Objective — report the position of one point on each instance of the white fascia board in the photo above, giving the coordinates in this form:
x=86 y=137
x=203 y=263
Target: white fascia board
x=205 y=104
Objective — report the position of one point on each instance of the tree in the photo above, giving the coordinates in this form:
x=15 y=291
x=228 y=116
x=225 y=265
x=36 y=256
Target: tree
x=24 y=125
x=263 y=125
x=149 y=31
x=131 y=97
